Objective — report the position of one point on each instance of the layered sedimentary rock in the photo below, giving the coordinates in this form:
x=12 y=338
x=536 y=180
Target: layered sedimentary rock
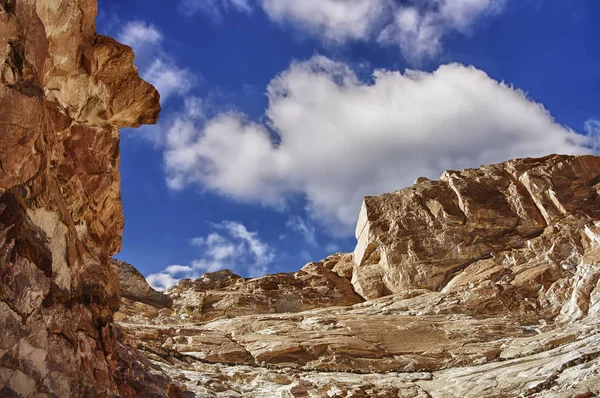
x=524 y=225
x=485 y=283
x=64 y=92
x=225 y=294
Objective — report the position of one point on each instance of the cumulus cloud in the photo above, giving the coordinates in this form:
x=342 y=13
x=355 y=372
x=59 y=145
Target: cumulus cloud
x=333 y=138
x=231 y=246
x=418 y=28
x=155 y=65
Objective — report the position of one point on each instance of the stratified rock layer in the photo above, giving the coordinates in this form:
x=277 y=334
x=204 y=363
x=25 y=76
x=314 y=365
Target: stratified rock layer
x=484 y=283
x=225 y=294
x=480 y=220
x=64 y=92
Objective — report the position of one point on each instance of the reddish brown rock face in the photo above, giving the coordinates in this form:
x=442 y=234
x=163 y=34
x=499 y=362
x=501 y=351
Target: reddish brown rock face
x=64 y=92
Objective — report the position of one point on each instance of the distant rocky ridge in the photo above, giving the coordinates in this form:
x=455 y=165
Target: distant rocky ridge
x=485 y=283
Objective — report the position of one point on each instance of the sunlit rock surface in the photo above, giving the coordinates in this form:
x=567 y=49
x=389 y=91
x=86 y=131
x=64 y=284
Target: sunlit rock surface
x=484 y=283
x=64 y=92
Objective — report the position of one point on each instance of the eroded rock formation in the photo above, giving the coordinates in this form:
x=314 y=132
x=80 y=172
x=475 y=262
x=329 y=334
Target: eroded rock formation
x=134 y=287
x=485 y=283
x=64 y=93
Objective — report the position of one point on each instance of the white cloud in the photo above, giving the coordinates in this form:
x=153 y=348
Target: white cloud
x=419 y=30
x=140 y=35
x=340 y=138
x=161 y=281
x=178 y=269
x=417 y=27
x=333 y=20
x=592 y=126
x=155 y=65
x=168 y=78
x=306 y=229
x=231 y=246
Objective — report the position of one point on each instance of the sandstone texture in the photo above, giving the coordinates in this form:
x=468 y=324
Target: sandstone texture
x=484 y=283
x=64 y=93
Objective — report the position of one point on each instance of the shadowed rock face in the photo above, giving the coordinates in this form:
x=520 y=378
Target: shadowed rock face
x=485 y=283
x=133 y=286
x=64 y=92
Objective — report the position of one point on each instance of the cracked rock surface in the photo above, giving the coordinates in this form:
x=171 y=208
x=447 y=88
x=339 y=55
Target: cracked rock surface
x=485 y=283
x=64 y=93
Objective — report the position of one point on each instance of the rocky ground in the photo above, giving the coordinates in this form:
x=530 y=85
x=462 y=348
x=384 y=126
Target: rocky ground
x=485 y=283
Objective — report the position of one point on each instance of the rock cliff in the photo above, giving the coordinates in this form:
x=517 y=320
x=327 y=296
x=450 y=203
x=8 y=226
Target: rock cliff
x=484 y=283
x=64 y=93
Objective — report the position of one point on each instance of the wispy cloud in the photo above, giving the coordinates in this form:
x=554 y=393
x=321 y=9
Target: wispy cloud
x=305 y=228
x=214 y=8
x=230 y=246
x=155 y=64
x=140 y=35
x=417 y=28
x=592 y=129
x=332 y=248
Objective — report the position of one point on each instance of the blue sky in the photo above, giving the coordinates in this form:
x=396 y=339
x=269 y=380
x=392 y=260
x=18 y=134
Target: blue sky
x=280 y=115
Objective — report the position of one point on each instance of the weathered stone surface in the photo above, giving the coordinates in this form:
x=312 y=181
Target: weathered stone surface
x=423 y=236
x=64 y=92
x=224 y=294
x=485 y=283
